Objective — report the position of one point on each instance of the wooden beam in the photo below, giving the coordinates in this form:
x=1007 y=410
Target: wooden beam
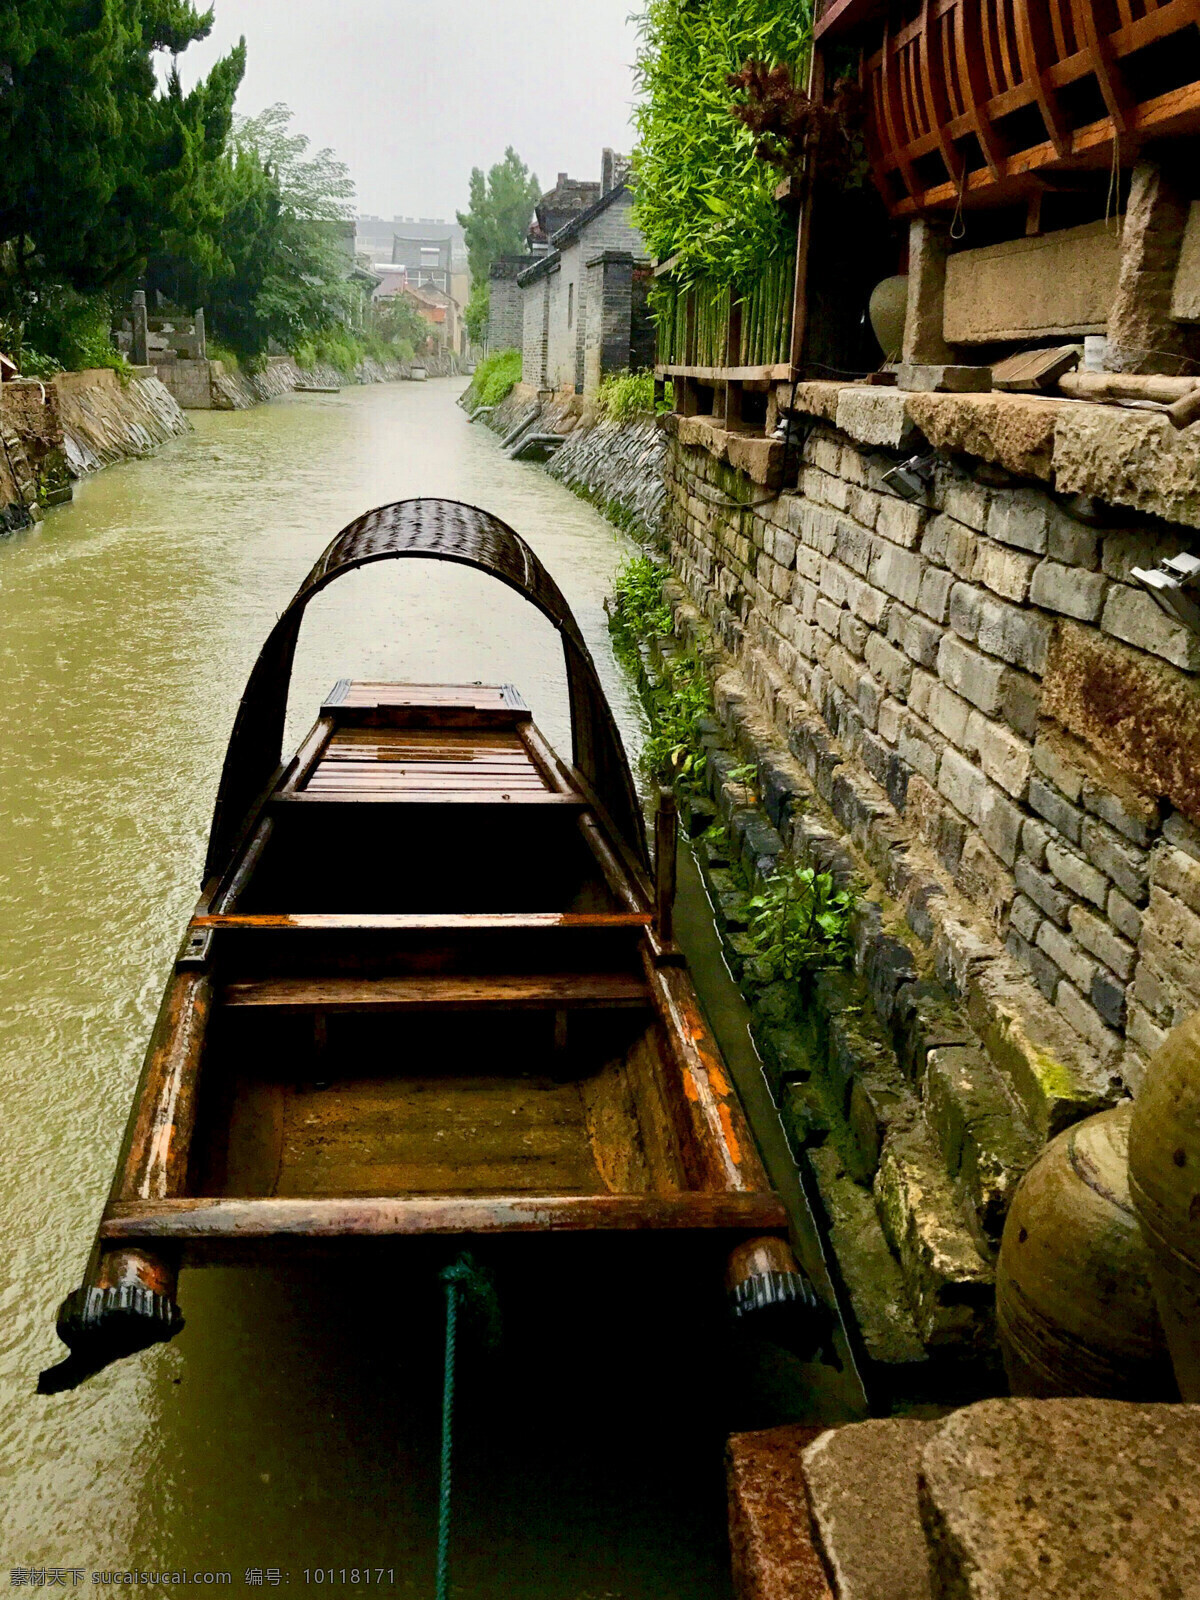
x=180 y=1221
x=539 y=992
x=415 y=797
x=423 y=922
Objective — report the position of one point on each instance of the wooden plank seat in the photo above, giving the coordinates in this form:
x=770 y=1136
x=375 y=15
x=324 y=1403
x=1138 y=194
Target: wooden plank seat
x=423 y=922
x=554 y=991
x=417 y=763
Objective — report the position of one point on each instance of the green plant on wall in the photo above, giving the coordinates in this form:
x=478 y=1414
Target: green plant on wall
x=704 y=195
x=800 y=921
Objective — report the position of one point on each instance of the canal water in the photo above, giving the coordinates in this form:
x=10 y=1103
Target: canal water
x=291 y=1431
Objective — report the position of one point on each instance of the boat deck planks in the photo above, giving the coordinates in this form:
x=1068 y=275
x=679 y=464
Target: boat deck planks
x=403 y=762
x=551 y=992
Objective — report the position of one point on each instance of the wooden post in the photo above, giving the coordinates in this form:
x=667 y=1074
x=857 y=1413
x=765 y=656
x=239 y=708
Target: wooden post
x=666 y=845
x=816 y=91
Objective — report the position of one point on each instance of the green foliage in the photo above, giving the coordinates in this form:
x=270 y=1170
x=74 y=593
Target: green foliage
x=624 y=396
x=495 y=378
x=497 y=217
x=800 y=922
x=639 y=610
x=102 y=163
x=478 y=310
x=703 y=192
x=674 y=749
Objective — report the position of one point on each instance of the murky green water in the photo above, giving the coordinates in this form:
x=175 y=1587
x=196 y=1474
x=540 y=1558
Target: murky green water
x=293 y=1424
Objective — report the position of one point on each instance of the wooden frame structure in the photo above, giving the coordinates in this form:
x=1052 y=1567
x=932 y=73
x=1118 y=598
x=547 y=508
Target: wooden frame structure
x=983 y=101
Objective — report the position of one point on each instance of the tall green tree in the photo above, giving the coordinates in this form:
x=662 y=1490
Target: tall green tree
x=495 y=224
x=99 y=161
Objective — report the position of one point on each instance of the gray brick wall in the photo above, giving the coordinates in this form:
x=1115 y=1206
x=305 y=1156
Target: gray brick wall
x=922 y=635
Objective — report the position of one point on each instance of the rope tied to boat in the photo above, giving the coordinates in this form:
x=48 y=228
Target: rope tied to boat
x=469 y=1289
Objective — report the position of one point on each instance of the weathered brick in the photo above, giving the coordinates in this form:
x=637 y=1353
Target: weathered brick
x=901 y=521
x=782 y=547
x=1000 y=824
x=1108 y=997
x=950 y=714
x=1068 y=590
x=1124 y=863
x=1077 y=874
x=1132 y=814
x=1046 y=974
x=818 y=527
x=1058 y=812
x=853 y=634
x=1005 y=758
x=1184 y=835
x=1022 y=637
x=1132 y=615
x=1071 y=541
x=933 y=598
x=1067 y=955
x=1025 y=918
x=1054 y=759
x=888 y=664
x=897 y=572
x=863 y=505
x=1021 y=702
x=965 y=501
x=1144 y=1032
x=920 y=746
x=965 y=609
x=1035 y=836
x=1086 y=1022
x=984 y=879
x=919 y=638
x=1179 y=874
x=855 y=547
x=1020 y=517
x=1124 y=916
x=976 y=677
x=962 y=783
x=1005 y=572
x=1042 y=889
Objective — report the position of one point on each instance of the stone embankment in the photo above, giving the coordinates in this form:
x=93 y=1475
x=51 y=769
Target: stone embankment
x=618 y=467
x=73 y=424
x=208 y=385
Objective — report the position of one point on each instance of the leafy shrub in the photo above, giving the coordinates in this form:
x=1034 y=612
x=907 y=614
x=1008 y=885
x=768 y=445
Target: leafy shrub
x=800 y=922
x=495 y=378
x=68 y=330
x=674 y=749
x=640 y=612
x=624 y=396
x=703 y=192
x=223 y=353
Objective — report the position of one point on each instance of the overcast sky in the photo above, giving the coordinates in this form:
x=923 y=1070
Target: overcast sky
x=412 y=94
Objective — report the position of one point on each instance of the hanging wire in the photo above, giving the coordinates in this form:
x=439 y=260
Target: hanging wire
x=958 y=227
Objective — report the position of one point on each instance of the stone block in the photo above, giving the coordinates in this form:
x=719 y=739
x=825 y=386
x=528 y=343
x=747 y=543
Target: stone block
x=854 y=634
x=1108 y=997
x=976 y=677
x=1096 y=936
x=1063 y=1500
x=901 y=521
x=1087 y=1023
x=1066 y=955
x=1013 y=431
x=1022 y=637
x=1005 y=572
x=869 y=1272
x=1004 y=757
x=964 y=500
x=966 y=608
x=897 y=572
x=1033 y=287
x=1068 y=590
x=1072 y=542
x=1054 y=1078
x=984 y=880
x=1035 y=836
x=1181 y=833
x=773 y=1555
x=1124 y=863
x=1124 y=916
x=984 y=1140
x=1020 y=517
x=1042 y=889
x=1076 y=874
x=1178 y=872
x=1138 y=547
x=933 y=596
x=888 y=664
x=875 y=416
x=1045 y=973
x=925 y=1018
x=1060 y=759
x=862 y=1490
x=948 y=1282
x=1129 y=458
x=1026 y=918
x=1132 y=615
x=962 y=783
x=1021 y=702
x=1058 y=812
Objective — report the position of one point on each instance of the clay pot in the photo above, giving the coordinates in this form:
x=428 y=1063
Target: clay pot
x=1074 y=1302
x=1164 y=1183
x=887 y=310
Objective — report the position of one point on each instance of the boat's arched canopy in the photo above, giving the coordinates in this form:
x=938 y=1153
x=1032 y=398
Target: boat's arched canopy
x=443 y=530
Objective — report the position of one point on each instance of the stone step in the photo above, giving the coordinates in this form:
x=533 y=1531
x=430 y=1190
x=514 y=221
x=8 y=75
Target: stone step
x=1064 y=1500
x=1002 y=1500
x=986 y=1145
x=949 y=1284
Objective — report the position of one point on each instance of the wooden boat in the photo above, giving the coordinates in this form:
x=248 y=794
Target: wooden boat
x=430 y=989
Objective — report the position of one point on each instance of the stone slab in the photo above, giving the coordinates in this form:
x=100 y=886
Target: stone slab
x=875 y=416
x=1012 y=431
x=1064 y=1500
x=1057 y=283
x=774 y=1557
x=862 y=1489
x=931 y=378
x=1129 y=458
x=1185 y=296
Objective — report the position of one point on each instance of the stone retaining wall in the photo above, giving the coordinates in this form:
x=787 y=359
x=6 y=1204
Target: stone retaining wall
x=73 y=424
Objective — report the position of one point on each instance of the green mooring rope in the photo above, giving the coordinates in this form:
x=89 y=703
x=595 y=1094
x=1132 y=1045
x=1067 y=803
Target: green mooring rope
x=464 y=1283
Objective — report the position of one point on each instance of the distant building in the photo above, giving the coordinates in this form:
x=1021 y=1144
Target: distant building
x=583 y=298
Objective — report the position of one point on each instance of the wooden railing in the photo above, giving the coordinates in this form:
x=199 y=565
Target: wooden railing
x=709 y=329
x=967 y=99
